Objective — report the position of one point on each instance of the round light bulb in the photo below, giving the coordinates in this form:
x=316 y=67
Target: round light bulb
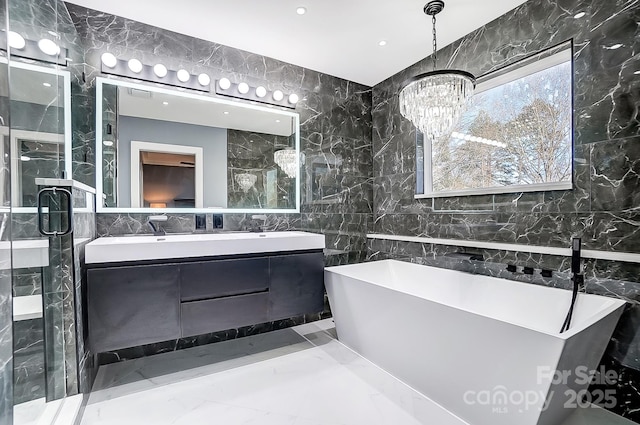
x=224 y=83
x=160 y=70
x=109 y=60
x=135 y=65
x=243 y=88
x=48 y=47
x=261 y=91
x=382 y=43
x=16 y=41
x=301 y=10
x=204 y=79
x=293 y=98
x=183 y=75
x=278 y=95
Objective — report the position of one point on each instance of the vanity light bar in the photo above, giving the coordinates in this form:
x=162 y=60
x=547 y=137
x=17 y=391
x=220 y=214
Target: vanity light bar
x=157 y=73
x=44 y=50
x=260 y=94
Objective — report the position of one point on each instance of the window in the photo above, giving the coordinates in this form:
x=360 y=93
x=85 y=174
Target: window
x=514 y=135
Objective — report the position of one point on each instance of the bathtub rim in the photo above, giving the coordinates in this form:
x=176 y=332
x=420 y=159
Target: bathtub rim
x=610 y=308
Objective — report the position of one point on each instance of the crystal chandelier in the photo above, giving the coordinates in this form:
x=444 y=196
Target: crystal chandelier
x=433 y=101
x=246 y=181
x=287 y=161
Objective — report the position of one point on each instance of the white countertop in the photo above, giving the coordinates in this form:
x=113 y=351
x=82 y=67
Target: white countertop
x=140 y=248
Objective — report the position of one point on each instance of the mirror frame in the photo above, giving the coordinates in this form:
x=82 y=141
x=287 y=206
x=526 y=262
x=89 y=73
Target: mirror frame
x=162 y=89
x=67 y=136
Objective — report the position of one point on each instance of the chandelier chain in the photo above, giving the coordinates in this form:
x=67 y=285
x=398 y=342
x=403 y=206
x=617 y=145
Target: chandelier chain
x=435 y=42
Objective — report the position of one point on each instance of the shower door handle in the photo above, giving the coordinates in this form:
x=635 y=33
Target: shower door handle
x=51 y=192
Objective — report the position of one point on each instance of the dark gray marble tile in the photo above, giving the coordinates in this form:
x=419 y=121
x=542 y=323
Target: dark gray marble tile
x=27 y=281
x=6 y=349
x=615 y=175
x=28 y=365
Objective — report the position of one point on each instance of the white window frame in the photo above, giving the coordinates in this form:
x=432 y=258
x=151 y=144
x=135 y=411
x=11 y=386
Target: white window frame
x=531 y=65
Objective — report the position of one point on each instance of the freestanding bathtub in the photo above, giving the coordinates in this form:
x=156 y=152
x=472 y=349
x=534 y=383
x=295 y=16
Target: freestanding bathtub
x=486 y=349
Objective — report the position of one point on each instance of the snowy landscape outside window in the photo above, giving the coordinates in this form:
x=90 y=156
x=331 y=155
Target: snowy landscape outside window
x=514 y=135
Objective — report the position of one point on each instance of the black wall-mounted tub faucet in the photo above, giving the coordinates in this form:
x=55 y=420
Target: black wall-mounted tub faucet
x=577 y=278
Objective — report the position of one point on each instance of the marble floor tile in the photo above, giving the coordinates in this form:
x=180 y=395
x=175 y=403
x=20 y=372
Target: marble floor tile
x=296 y=376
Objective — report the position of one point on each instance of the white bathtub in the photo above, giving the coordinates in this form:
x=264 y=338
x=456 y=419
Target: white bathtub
x=484 y=348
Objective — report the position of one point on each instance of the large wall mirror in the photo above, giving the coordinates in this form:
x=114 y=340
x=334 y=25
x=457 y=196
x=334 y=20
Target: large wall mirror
x=40 y=137
x=515 y=134
x=168 y=150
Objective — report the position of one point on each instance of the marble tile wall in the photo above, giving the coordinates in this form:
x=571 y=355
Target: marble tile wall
x=28 y=361
x=335 y=117
x=602 y=208
x=252 y=153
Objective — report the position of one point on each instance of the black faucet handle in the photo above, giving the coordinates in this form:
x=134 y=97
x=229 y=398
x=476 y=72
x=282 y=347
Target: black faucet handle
x=575 y=255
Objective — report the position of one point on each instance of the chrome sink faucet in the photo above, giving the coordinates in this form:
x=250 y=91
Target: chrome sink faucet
x=154 y=222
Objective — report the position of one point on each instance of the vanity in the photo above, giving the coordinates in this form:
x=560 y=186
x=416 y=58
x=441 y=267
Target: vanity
x=147 y=289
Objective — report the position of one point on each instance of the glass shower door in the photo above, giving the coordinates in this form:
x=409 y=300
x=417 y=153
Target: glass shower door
x=38 y=146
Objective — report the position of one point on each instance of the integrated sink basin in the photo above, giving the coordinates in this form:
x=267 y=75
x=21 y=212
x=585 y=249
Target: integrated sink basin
x=142 y=248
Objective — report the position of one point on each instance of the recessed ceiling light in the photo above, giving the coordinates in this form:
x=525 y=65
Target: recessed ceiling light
x=226 y=112
x=48 y=47
x=278 y=95
x=615 y=46
x=382 y=43
x=160 y=70
x=277 y=120
x=165 y=103
x=579 y=15
x=16 y=41
x=301 y=10
x=293 y=98
x=107 y=143
x=109 y=60
x=135 y=65
x=46 y=84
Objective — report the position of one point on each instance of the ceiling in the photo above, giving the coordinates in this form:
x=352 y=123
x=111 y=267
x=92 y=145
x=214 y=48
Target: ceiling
x=336 y=37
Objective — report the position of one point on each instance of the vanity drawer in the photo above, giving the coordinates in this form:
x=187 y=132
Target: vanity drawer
x=219 y=278
x=200 y=317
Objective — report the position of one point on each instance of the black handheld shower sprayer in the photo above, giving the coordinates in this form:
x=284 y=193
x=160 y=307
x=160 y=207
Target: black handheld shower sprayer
x=577 y=278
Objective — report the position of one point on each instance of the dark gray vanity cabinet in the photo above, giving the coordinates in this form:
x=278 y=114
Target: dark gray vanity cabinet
x=297 y=285
x=130 y=306
x=223 y=294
